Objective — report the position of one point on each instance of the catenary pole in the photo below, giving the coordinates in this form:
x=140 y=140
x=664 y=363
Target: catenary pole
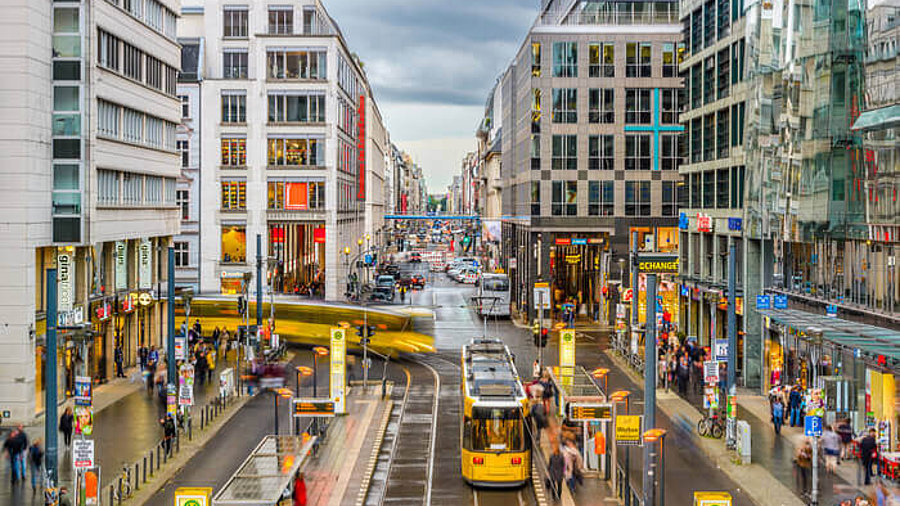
x=170 y=327
x=650 y=356
x=51 y=432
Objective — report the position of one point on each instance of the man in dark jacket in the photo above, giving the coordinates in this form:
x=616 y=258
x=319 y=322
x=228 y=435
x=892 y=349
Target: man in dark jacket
x=168 y=425
x=868 y=452
x=794 y=401
x=120 y=360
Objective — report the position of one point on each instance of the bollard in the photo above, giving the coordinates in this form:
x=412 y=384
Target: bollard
x=112 y=494
x=190 y=429
x=136 y=474
x=144 y=475
x=165 y=457
x=158 y=459
x=119 y=488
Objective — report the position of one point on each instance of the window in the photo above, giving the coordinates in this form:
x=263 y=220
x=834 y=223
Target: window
x=185 y=152
x=154 y=68
x=637 y=105
x=637 y=198
x=723 y=188
x=601 y=105
x=133 y=122
x=637 y=59
x=132 y=189
x=696 y=140
x=709 y=79
x=234 y=64
x=737 y=187
x=182 y=255
x=564 y=200
x=696 y=197
x=723 y=26
x=535 y=152
x=298 y=151
x=133 y=62
x=234 y=107
x=295 y=108
x=722 y=133
x=281 y=19
x=536 y=110
x=601 y=155
x=296 y=195
x=296 y=64
x=235 y=22
x=153 y=190
x=601 y=198
x=601 y=60
x=185 y=106
x=564 y=105
x=709 y=196
x=564 y=152
x=669 y=68
x=669 y=199
x=669 y=109
x=536 y=59
x=637 y=152
x=696 y=86
x=183 y=201
x=234 y=152
x=709 y=23
x=670 y=145
x=565 y=59
x=234 y=244
x=107 y=119
x=709 y=146
x=107 y=187
x=234 y=195
x=722 y=88
x=108 y=52
x=309 y=21
x=535 y=198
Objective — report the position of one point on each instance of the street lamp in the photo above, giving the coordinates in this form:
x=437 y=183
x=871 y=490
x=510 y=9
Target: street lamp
x=320 y=351
x=602 y=373
x=280 y=392
x=300 y=371
x=617 y=397
x=659 y=435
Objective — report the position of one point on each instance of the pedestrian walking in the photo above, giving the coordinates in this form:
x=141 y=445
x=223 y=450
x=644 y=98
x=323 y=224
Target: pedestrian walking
x=795 y=400
x=14 y=446
x=210 y=364
x=574 y=464
x=36 y=462
x=168 y=425
x=868 y=454
x=831 y=443
x=803 y=464
x=536 y=369
x=556 y=470
x=846 y=433
x=152 y=363
x=119 y=357
x=66 y=425
x=143 y=352
x=777 y=414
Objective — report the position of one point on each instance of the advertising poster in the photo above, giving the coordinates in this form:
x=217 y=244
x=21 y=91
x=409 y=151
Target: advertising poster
x=186 y=385
x=171 y=400
x=84 y=420
x=87 y=487
x=491 y=230
x=82 y=390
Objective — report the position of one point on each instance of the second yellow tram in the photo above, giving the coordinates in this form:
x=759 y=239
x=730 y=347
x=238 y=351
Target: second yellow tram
x=496 y=449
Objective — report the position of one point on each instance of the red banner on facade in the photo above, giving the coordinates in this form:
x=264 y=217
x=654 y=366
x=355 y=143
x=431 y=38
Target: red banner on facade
x=319 y=235
x=361 y=149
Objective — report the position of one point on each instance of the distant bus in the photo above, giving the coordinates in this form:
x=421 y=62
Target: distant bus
x=494 y=295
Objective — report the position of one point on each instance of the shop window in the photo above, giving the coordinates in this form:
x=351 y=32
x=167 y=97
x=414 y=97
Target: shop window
x=234 y=195
x=234 y=244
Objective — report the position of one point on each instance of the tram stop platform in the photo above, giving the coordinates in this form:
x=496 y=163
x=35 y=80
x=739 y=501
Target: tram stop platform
x=343 y=463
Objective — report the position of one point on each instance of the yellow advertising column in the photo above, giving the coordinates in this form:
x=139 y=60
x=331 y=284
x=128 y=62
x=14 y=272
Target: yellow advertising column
x=338 y=369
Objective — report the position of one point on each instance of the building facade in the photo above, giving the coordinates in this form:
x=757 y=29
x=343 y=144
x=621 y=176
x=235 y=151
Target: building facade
x=590 y=146
x=91 y=162
x=287 y=151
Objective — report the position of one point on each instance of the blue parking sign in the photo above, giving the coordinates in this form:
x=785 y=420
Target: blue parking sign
x=812 y=426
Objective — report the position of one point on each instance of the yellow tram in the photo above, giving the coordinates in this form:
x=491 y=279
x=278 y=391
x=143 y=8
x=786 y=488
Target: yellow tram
x=496 y=449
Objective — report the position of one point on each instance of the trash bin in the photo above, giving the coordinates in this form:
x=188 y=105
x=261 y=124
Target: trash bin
x=743 y=441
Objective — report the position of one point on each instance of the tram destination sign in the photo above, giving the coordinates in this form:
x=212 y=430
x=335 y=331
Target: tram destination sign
x=590 y=412
x=313 y=407
x=657 y=263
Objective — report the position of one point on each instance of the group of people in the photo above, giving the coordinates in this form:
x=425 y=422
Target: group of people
x=684 y=365
x=565 y=463
x=19 y=451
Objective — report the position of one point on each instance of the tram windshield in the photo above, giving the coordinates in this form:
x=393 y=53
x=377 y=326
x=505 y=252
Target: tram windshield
x=495 y=429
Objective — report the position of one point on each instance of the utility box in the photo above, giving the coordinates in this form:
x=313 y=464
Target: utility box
x=743 y=441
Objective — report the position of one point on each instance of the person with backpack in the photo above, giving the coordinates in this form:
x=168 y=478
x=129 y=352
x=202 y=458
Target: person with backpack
x=777 y=414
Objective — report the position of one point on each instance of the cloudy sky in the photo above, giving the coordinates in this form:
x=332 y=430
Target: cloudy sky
x=431 y=64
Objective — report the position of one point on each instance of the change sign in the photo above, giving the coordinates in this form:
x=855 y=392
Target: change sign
x=658 y=263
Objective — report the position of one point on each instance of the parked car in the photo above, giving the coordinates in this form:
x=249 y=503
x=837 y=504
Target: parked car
x=415 y=257
x=384 y=288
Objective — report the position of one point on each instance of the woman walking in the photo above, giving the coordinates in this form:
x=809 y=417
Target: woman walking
x=66 y=424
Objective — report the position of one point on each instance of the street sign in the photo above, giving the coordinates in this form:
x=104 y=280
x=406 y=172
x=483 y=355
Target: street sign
x=513 y=263
x=658 y=263
x=711 y=371
x=628 y=430
x=763 y=302
x=590 y=412
x=620 y=311
x=542 y=296
x=338 y=371
x=192 y=496
x=722 y=350
x=82 y=453
x=180 y=347
x=812 y=426
x=313 y=407
x=781 y=302
x=627 y=294
x=566 y=348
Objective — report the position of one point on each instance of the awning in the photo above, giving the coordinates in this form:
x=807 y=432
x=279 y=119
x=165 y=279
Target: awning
x=868 y=339
x=885 y=117
x=266 y=473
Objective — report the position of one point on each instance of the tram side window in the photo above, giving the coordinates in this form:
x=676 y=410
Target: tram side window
x=492 y=429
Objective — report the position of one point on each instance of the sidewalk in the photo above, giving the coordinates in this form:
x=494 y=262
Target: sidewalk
x=126 y=426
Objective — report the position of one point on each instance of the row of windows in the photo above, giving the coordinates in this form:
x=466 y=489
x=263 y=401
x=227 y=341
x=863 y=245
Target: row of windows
x=601 y=198
x=715 y=189
x=712 y=78
x=121 y=57
x=236 y=21
x=296 y=107
x=152 y=12
x=116 y=187
x=347 y=79
x=296 y=195
x=123 y=123
x=711 y=22
x=601 y=152
x=282 y=151
x=347 y=117
x=602 y=59
x=601 y=105
x=348 y=161
x=712 y=136
x=296 y=64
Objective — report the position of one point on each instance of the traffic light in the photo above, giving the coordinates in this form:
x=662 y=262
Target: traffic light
x=545 y=333
x=365 y=332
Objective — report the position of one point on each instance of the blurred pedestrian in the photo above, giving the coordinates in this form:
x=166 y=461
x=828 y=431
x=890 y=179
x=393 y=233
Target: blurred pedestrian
x=868 y=454
x=64 y=498
x=574 y=464
x=831 y=444
x=795 y=401
x=119 y=357
x=15 y=446
x=777 y=414
x=35 y=462
x=846 y=434
x=66 y=425
x=803 y=463
x=168 y=425
x=557 y=470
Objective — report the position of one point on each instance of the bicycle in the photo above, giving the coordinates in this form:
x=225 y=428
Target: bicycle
x=711 y=426
x=122 y=489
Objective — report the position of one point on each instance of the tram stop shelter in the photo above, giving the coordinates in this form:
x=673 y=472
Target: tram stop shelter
x=582 y=401
x=267 y=475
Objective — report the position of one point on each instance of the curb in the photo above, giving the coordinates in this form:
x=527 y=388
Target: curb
x=157 y=481
x=373 y=458
x=769 y=492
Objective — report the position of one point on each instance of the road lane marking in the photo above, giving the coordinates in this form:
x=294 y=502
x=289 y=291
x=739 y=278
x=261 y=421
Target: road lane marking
x=437 y=397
